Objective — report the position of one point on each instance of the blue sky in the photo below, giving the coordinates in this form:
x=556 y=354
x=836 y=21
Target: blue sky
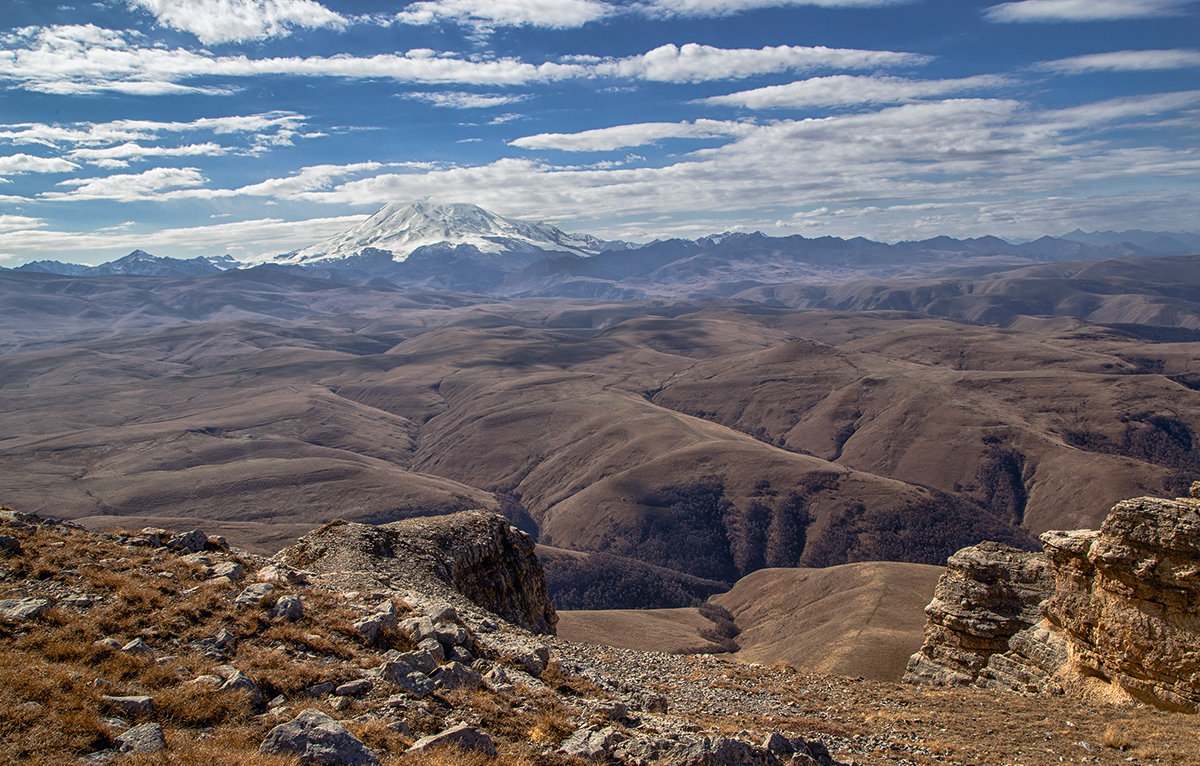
x=255 y=127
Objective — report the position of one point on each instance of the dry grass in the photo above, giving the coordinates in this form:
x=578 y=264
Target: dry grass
x=53 y=673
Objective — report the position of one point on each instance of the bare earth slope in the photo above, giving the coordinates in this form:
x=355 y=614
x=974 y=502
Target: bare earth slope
x=853 y=620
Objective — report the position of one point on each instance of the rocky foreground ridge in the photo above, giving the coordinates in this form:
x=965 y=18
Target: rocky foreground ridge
x=1113 y=612
x=357 y=646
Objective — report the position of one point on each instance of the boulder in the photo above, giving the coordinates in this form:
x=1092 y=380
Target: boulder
x=288 y=608
x=192 y=542
x=315 y=738
x=463 y=736
x=147 y=738
x=254 y=594
x=9 y=545
x=22 y=609
x=455 y=675
x=590 y=743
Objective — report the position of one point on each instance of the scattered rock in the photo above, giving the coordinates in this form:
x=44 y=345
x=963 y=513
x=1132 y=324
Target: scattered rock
x=434 y=648
x=315 y=738
x=279 y=573
x=418 y=629
x=353 y=688
x=371 y=627
x=254 y=594
x=147 y=738
x=22 y=609
x=193 y=541
x=321 y=689
x=135 y=706
x=137 y=646
x=9 y=545
x=455 y=675
x=288 y=608
x=463 y=736
x=156 y=536
x=401 y=674
x=228 y=569
x=239 y=681
x=590 y=743
x=420 y=660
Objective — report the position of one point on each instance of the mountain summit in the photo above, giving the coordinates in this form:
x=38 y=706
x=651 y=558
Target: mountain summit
x=402 y=229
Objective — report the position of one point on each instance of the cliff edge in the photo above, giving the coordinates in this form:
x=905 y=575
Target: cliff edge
x=470 y=560
x=1116 y=608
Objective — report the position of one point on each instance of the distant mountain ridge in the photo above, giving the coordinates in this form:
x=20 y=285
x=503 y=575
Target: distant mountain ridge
x=138 y=263
x=461 y=247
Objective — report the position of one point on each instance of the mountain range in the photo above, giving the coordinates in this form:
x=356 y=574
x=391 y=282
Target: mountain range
x=462 y=247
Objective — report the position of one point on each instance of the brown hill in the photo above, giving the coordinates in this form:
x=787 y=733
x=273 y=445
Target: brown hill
x=852 y=620
x=712 y=442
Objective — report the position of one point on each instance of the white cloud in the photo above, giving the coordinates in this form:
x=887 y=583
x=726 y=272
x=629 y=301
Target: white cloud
x=621 y=136
x=460 y=100
x=1126 y=61
x=87 y=134
x=10 y=223
x=555 y=14
x=123 y=154
x=87 y=59
x=1120 y=109
x=128 y=187
x=696 y=63
x=843 y=90
x=1082 y=10
x=981 y=155
x=726 y=7
x=26 y=163
x=220 y=21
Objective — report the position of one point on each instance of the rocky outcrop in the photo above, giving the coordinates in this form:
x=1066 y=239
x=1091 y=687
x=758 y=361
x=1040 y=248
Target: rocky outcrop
x=1127 y=598
x=984 y=619
x=1120 y=605
x=469 y=560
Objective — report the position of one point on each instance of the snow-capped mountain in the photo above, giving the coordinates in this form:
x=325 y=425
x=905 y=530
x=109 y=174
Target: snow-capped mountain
x=402 y=229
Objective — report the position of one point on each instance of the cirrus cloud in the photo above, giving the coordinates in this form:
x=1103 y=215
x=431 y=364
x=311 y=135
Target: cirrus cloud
x=622 y=136
x=1083 y=10
x=1125 y=61
x=554 y=14
x=844 y=90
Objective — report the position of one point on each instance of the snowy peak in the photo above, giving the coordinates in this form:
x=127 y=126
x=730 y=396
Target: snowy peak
x=403 y=228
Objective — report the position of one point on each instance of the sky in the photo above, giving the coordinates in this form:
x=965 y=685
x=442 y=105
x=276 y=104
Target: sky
x=256 y=127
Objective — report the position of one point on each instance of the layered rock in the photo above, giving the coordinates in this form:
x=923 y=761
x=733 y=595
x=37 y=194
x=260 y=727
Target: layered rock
x=468 y=560
x=1127 y=598
x=984 y=626
x=1120 y=604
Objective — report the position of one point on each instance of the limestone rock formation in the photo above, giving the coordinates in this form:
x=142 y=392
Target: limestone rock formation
x=1127 y=598
x=1120 y=605
x=984 y=618
x=468 y=560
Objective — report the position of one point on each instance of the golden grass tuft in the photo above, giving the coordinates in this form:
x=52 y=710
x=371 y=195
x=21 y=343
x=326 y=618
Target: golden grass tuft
x=1117 y=738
